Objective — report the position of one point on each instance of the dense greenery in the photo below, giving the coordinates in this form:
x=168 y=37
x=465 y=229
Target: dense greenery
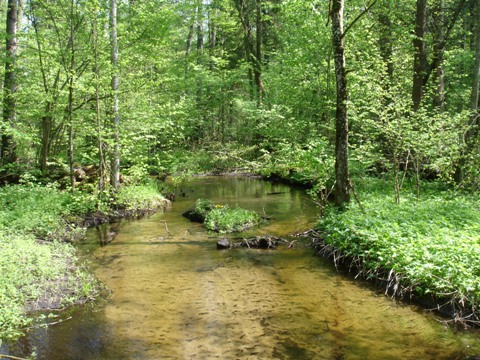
x=427 y=245
x=222 y=218
x=38 y=276
x=39 y=270
x=92 y=89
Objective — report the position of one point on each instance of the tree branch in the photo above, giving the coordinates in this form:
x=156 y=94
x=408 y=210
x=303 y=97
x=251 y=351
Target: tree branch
x=358 y=17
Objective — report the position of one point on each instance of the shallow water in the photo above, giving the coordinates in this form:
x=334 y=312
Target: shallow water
x=174 y=296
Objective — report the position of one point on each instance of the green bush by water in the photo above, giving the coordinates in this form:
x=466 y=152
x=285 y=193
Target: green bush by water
x=431 y=243
x=222 y=218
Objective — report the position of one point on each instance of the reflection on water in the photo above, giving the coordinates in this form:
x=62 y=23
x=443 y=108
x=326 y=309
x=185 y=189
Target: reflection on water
x=174 y=296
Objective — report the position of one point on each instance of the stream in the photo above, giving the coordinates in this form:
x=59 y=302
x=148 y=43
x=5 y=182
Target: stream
x=175 y=296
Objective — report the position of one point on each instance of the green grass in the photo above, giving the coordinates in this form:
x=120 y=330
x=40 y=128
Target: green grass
x=40 y=210
x=431 y=243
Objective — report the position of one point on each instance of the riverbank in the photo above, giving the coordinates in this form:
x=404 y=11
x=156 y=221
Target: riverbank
x=425 y=248
x=39 y=266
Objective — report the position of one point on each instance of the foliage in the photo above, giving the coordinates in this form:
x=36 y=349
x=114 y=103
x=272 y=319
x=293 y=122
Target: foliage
x=34 y=273
x=307 y=164
x=139 y=197
x=430 y=255
x=41 y=210
x=202 y=208
x=224 y=219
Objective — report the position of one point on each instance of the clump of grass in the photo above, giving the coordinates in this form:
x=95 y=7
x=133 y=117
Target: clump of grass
x=428 y=246
x=224 y=219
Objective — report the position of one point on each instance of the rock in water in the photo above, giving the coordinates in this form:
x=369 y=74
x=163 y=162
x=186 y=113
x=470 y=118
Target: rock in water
x=223 y=244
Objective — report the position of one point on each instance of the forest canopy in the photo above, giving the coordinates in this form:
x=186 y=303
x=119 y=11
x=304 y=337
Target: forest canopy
x=132 y=87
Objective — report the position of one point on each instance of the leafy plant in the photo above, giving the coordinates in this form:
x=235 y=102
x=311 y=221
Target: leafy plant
x=416 y=252
x=224 y=219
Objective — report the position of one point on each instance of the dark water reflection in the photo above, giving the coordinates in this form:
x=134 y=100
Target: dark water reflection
x=176 y=297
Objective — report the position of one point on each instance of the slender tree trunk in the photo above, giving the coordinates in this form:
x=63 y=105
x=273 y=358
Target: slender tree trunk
x=475 y=97
x=21 y=4
x=101 y=158
x=188 y=49
x=115 y=174
x=258 y=53
x=8 y=153
x=420 y=56
x=200 y=52
x=70 y=94
x=342 y=182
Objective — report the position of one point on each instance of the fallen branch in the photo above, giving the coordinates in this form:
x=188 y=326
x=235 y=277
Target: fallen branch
x=2 y=356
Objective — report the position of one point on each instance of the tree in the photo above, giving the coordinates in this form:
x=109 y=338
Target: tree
x=342 y=182
x=8 y=153
x=420 y=55
x=115 y=175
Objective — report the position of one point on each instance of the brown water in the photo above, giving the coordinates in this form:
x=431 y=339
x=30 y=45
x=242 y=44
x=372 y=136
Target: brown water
x=174 y=296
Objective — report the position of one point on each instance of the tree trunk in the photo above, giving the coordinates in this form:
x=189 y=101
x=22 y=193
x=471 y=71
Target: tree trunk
x=342 y=182
x=70 y=94
x=200 y=52
x=439 y=70
x=475 y=97
x=96 y=70
x=8 y=153
x=420 y=56
x=115 y=175
x=258 y=53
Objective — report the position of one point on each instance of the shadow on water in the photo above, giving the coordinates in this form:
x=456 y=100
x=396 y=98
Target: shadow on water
x=174 y=296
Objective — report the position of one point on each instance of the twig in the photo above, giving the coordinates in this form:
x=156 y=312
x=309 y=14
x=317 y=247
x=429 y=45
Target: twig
x=358 y=18
x=48 y=324
x=2 y=356
x=357 y=199
x=166 y=227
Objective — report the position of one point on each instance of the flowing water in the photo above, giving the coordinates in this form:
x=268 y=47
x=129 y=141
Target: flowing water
x=174 y=296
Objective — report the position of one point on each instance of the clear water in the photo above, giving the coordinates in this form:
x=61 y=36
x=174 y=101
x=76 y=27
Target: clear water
x=174 y=296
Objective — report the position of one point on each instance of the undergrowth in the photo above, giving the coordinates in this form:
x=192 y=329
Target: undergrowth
x=428 y=246
x=38 y=269
x=35 y=276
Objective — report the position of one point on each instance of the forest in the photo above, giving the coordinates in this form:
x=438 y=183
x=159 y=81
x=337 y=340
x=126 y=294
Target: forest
x=373 y=106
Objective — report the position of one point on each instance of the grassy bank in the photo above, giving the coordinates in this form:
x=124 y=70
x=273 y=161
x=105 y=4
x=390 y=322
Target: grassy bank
x=426 y=246
x=39 y=268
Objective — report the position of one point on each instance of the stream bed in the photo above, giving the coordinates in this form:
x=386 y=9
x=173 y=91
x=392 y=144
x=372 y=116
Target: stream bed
x=175 y=296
